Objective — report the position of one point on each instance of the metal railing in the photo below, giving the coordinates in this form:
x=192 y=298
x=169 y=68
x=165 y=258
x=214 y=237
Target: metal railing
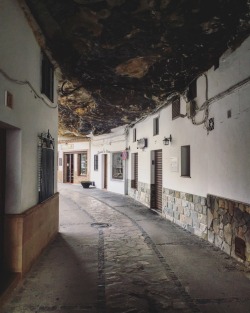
x=45 y=166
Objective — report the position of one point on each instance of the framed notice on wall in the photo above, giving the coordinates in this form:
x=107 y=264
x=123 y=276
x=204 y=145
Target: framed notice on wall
x=174 y=166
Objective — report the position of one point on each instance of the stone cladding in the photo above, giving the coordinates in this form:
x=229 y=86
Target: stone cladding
x=229 y=220
x=186 y=210
x=143 y=194
x=221 y=221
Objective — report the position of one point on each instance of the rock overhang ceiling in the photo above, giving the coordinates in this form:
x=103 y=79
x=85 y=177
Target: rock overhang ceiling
x=121 y=59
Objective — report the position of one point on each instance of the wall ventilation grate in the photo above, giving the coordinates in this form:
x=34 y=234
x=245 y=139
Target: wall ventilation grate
x=240 y=248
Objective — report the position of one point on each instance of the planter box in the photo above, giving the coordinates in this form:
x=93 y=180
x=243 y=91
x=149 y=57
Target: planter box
x=86 y=184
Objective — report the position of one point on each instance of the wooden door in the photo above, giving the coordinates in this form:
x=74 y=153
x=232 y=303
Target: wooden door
x=105 y=171
x=158 y=179
x=2 y=191
x=69 y=168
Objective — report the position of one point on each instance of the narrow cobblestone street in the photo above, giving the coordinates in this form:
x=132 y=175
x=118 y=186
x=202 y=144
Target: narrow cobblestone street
x=115 y=255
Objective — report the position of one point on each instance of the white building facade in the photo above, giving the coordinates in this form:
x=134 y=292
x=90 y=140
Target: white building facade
x=190 y=160
x=109 y=160
x=73 y=160
x=28 y=131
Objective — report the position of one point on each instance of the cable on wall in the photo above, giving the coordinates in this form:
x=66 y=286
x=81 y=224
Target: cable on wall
x=26 y=82
x=208 y=102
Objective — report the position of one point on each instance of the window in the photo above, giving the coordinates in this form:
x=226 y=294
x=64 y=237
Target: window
x=176 y=108
x=156 y=126
x=45 y=166
x=192 y=91
x=47 y=78
x=134 y=181
x=134 y=135
x=96 y=162
x=185 y=161
x=117 y=165
x=82 y=163
x=60 y=162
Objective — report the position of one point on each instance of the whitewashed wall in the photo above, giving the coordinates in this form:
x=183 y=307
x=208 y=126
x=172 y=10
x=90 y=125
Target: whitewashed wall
x=107 y=144
x=220 y=161
x=229 y=143
x=20 y=58
x=72 y=146
x=183 y=133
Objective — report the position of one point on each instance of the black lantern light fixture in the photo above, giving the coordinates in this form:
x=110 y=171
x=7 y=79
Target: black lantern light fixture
x=166 y=141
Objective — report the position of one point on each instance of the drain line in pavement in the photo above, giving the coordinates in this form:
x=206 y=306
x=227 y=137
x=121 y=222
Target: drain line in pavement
x=162 y=260
x=101 y=299
x=101 y=263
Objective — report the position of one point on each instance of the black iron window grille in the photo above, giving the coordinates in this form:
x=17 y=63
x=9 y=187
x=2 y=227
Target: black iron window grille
x=83 y=163
x=156 y=126
x=117 y=165
x=45 y=166
x=192 y=90
x=176 y=108
x=47 y=78
x=134 y=135
x=96 y=162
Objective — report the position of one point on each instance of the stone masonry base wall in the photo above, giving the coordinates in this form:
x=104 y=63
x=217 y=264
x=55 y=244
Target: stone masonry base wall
x=224 y=223
x=27 y=234
x=143 y=194
x=186 y=210
x=229 y=224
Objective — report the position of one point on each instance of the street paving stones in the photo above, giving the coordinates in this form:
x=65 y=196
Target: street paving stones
x=114 y=255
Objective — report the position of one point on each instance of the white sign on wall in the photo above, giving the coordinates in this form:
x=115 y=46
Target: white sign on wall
x=174 y=166
x=67 y=146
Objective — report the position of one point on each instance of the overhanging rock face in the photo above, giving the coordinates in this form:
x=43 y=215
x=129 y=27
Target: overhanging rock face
x=122 y=58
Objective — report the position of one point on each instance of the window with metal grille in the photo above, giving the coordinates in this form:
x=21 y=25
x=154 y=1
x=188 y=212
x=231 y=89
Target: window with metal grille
x=134 y=135
x=47 y=78
x=134 y=181
x=117 y=165
x=185 y=161
x=45 y=166
x=176 y=108
x=192 y=90
x=96 y=162
x=60 y=161
x=156 y=126
x=83 y=163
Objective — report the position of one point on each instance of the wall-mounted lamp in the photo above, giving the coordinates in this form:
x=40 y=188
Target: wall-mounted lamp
x=166 y=141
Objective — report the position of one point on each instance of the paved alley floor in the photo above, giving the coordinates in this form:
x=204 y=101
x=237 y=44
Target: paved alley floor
x=115 y=255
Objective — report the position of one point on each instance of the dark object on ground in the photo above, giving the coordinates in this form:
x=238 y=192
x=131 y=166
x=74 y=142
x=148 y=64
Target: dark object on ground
x=86 y=184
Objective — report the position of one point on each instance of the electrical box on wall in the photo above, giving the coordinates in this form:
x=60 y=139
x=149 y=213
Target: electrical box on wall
x=8 y=99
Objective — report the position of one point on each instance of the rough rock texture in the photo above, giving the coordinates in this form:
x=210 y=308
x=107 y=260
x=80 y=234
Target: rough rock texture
x=122 y=58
